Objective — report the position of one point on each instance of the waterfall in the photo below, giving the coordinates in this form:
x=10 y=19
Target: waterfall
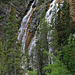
x=23 y=33
x=53 y=9
x=32 y=44
x=49 y=15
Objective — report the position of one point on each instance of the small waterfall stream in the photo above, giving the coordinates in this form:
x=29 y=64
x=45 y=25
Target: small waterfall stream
x=49 y=15
x=32 y=44
x=24 y=30
x=23 y=33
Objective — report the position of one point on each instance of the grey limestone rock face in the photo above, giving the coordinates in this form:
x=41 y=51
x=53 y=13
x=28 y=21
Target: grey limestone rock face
x=37 y=14
x=20 y=8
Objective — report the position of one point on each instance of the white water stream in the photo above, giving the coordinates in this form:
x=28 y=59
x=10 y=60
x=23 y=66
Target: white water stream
x=22 y=31
x=49 y=15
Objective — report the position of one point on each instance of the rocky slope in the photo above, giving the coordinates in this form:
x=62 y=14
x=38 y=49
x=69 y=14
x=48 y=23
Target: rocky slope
x=34 y=21
x=22 y=7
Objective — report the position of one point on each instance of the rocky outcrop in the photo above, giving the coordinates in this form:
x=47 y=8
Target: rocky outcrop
x=22 y=8
x=35 y=18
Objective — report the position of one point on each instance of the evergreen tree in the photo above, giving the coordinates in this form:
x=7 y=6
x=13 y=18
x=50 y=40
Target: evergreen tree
x=64 y=28
x=63 y=23
x=2 y=59
x=13 y=52
x=68 y=53
x=41 y=45
x=53 y=32
x=32 y=72
x=57 y=68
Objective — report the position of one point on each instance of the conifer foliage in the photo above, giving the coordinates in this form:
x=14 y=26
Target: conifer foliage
x=63 y=23
x=57 y=37
x=57 y=68
x=68 y=53
x=42 y=45
x=64 y=28
x=2 y=58
x=12 y=54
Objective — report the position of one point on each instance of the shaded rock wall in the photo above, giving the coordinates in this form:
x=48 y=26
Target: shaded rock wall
x=34 y=20
x=37 y=13
x=20 y=6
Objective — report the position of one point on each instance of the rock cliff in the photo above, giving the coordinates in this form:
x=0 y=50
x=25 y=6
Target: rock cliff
x=34 y=21
x=22 y=7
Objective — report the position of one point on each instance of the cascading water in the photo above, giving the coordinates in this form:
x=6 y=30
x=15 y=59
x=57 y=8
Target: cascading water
x=48 y=18
x=23 y=33
x=32 y=44
x=24 y=30
x=49 y=15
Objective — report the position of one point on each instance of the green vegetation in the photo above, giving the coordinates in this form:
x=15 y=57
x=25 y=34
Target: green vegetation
x=2 y=57
x=57 y=68
x=11 y=54
x=64 y=26
x=41 y=1
x=63 y=50
x=32 y=72
x=62 y=44
x=41 y=45
x=68 y=54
